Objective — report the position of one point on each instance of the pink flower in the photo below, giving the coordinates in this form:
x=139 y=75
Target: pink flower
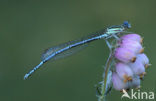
x=125 y=55
x=144 y=59
x=138 y=68
x=134 y=46
x=135 y=83
x=124 y=72
x=131 y=62
x=133 y=37
x=118 y=84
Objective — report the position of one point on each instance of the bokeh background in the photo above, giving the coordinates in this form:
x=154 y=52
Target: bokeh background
x=27 y=27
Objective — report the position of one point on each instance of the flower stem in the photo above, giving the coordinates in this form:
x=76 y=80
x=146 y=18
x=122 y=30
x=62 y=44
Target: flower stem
x=106 y=70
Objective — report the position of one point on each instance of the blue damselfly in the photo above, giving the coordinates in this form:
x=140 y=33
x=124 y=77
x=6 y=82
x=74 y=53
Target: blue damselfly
x=71 y=47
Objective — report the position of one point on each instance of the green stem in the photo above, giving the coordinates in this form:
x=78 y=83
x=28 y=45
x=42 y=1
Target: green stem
x=107 y=67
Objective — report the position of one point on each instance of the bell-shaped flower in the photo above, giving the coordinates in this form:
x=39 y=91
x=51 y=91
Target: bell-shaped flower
x=134 y=46
x=118 y=84
x=135 y=83
x=144 y=59
x=125 y=55
x=134 y=37
x=124 y=72
x=138 y=68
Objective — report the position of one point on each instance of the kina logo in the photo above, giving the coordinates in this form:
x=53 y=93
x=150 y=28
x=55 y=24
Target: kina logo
x=138 y=95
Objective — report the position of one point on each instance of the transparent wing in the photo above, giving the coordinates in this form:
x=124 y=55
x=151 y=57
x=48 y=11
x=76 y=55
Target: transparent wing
x=66 y=53
x=71 y=50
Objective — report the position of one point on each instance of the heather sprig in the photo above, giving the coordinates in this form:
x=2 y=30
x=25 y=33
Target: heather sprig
x=127 y=62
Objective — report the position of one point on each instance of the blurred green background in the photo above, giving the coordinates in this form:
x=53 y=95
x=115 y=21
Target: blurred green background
x=27 y=27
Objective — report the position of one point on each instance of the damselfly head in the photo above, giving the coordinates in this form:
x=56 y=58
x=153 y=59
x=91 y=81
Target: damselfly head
x=126 y=24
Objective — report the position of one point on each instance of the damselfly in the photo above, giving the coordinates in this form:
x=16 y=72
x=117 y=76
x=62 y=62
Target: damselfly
x=71 y=47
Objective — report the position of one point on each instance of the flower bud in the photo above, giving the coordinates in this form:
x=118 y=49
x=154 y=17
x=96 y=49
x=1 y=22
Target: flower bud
x=134 y=46
x=124 y=72
x=144 y=59
x=138 y=68
x=133 y=37
x=118 y=84
x=125 y=55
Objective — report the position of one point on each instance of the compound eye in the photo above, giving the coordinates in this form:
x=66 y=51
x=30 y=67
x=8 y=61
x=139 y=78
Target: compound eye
x=127 y=24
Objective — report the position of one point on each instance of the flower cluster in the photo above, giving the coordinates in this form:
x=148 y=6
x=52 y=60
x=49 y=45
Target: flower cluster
x=131 y=62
